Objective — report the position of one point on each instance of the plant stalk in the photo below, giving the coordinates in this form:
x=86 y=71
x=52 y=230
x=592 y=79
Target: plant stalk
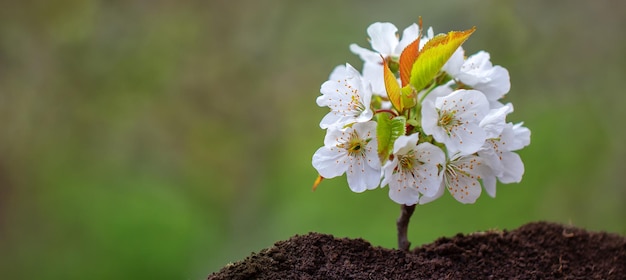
x=403 y=226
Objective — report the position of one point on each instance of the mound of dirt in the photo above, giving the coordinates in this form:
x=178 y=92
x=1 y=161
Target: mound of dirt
x=534 y=251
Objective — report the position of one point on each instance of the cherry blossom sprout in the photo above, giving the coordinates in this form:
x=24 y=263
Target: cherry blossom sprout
x=439 y=126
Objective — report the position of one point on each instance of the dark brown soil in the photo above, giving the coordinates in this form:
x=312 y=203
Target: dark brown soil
x=534 y=251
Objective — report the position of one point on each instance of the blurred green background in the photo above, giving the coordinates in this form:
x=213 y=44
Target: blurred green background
x=165 y=139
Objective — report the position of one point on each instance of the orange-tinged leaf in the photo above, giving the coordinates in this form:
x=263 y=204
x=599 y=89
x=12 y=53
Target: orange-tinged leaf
x=407 y=59
x=392 y=87
x=434 y=55
x=317 y=182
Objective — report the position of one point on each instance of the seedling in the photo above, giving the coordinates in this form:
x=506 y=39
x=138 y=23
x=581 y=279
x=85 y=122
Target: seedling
x=420 y=118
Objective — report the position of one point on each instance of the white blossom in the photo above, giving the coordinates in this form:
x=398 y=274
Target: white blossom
x=461 y=176
x=351 y=150
x=454 y=120
x=498 y=152
x=478 y=72
x=347 y=95
x=502 y=139
x=414 y=170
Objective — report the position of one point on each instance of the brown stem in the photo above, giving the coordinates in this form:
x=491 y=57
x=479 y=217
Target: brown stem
x=403 y=226
x=393 y=113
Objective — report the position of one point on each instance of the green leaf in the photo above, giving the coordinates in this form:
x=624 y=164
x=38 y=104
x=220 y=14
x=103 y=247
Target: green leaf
x=413 y=122
x=434 y=55
x=387 y=131
x=409 y=97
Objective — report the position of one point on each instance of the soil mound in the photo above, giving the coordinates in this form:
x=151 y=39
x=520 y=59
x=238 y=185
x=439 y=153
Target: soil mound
x=538 y=250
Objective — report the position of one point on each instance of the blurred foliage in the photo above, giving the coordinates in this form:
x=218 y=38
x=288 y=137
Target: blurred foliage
x=164 y=139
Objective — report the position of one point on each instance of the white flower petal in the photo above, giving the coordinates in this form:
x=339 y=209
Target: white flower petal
x=471 y=105
x=387 y=170
x=474 y=68
x=430 y=154
x=409 y=35
x=496 y=85
x=383 y=37
x=440 y=91
x=361 y=176
x=330 y=162
x=426 y=199
x=495 y=121
x=338 y=73
x=335 y=136
x=513 y=168
x=406 y=143
x=489 y=183
x=454 y=63
x=371 y=154
x=491 y=152
x=332 y=119
x=464 y=188
x=426 y=179
x=373 y=73
x=521 y=139
x=430 y=119
x=402 y=189
x=495 y=104
x=467 y=139
x=462 y=174
x=364 y=116
x=365 y=54
x=365 y=129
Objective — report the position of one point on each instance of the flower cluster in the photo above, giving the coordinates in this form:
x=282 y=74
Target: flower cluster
x=420 y=118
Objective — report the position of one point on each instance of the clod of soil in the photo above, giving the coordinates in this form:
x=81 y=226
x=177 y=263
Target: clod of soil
x=534 y=251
